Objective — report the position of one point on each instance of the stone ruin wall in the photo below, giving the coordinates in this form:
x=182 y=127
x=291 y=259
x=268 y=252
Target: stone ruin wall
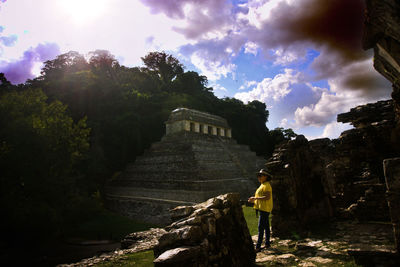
x=320 y=179
x=382 y=33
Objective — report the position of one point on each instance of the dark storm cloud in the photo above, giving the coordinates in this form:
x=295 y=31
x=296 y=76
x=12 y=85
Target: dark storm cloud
x=361 y=77
x=335 y=24
x=20 y=70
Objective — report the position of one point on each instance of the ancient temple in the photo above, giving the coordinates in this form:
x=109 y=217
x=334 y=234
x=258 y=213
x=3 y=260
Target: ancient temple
x=196 y=159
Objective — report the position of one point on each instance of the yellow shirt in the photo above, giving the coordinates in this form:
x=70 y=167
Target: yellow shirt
x=263 y=204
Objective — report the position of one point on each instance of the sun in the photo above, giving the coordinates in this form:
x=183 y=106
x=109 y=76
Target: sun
x=83 y=10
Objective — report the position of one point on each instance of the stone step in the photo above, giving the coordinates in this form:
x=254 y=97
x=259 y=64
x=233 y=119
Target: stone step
x=211 y=148
x=225 y=184
x=200 y=165
x=201 y=160
x=188 y=175
x=162 y=167
x=143 y=209
x=157 y=158
x=184 y=196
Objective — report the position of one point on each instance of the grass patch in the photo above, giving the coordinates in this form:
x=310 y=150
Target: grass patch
x=107 y=225
x=251 y=219
x=139 y=259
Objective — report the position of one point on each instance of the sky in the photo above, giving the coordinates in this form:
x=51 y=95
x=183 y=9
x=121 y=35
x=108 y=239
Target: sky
x=302 y=58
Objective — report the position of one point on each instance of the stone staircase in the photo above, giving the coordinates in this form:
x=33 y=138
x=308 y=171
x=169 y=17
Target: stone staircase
x=182 y=169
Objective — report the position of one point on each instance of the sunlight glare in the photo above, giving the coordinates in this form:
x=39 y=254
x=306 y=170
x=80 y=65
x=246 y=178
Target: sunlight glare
x=83 y=10
x=36 y=69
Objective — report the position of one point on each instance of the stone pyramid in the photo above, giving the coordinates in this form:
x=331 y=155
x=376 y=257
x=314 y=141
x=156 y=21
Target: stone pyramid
x=196 y=159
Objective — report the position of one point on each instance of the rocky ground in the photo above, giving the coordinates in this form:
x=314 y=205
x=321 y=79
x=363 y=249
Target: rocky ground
x=345 y=243
x=135 y=242
x=341 y=244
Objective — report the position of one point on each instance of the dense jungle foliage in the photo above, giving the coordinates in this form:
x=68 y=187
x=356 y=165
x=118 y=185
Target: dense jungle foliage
x=64 y=133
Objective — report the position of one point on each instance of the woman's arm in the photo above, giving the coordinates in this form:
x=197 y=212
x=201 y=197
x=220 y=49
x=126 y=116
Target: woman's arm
x=265 y=197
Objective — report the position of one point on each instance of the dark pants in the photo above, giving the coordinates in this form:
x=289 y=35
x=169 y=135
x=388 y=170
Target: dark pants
x=263 y=226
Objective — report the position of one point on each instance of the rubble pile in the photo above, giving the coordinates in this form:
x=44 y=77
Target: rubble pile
x=211 y=233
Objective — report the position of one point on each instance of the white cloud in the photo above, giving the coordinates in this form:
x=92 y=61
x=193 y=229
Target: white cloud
x=288 y=56
x=218 y=87
x=247 y=84
x=354 y=84
x=324 y=111
x=334 y=129
x=251 y=48
x=284 y=123
x=260 y=11
x=214 y=70
x=205 y=19
x=272 y=89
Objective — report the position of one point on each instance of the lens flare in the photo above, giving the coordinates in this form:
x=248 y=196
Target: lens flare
x=82 y=11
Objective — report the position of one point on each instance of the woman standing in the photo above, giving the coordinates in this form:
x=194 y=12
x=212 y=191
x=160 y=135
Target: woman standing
x=263 y=204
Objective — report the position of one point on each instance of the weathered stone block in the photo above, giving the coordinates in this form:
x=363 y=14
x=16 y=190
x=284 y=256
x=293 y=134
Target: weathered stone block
x=222 y=239
x=298 y=192
x=179 y=257
x=149 y=237
x=392 y=177
x=181 y=212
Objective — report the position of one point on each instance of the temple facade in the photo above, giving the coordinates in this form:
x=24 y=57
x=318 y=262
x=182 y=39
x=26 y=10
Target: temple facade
x=195 y=160
x=183 y=119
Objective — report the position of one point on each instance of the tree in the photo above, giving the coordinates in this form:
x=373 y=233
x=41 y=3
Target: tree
x=191 y=83
x=164 y=65
x=40 y=147
x=69 y=62
x=260 y=110
x=280 y=135
x=5 y=85
x=104 y=63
